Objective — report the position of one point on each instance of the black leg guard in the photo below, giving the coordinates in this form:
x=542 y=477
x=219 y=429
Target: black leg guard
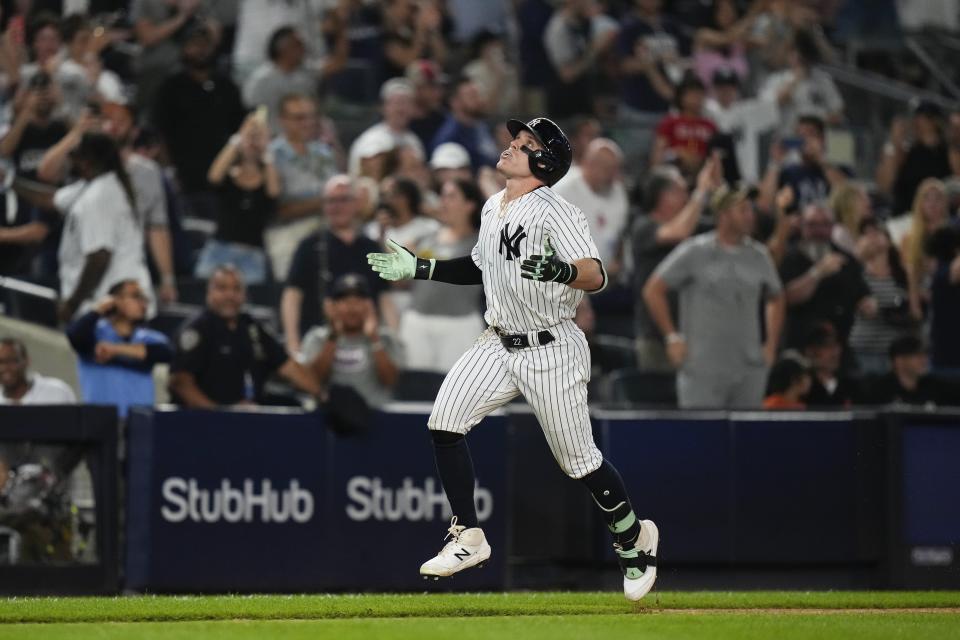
x=609 y=493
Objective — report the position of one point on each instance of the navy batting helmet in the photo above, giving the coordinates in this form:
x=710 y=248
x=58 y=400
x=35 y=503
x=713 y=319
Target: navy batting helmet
x=552 y=161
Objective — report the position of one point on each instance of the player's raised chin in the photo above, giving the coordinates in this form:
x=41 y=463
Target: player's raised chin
x=513 y=161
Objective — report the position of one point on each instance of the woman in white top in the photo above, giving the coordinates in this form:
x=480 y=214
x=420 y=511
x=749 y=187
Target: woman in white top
x=102 y=241
x=440 y=326
x=400 y=218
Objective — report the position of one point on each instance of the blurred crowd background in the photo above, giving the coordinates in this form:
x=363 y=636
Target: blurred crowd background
x=196 y=183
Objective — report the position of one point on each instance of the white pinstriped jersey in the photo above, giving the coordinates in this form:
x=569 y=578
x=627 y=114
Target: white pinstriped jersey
x=515 y=304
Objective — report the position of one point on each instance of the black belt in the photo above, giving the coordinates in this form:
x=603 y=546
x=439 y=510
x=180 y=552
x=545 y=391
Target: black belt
x=522 y=340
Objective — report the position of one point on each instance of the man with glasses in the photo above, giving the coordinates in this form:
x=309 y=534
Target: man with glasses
x=322 y=257
x=304 y=164
x=116 y=351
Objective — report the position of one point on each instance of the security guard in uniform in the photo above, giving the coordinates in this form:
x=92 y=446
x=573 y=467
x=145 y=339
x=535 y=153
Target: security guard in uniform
x=224 y=356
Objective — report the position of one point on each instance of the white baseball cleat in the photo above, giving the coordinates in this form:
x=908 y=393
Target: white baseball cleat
x=640 y=572
x=467 y=548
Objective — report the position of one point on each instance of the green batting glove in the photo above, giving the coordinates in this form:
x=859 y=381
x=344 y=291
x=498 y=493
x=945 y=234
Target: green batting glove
x=402 y=264
x=547 y=267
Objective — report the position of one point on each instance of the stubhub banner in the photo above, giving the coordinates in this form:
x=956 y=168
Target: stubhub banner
x=276 y=502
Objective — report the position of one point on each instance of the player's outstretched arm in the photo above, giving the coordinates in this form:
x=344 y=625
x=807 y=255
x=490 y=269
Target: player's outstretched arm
x=403 y=264
x=586 y=273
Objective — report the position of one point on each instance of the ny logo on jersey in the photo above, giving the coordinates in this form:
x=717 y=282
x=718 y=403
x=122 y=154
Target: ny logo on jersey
x=511 y=242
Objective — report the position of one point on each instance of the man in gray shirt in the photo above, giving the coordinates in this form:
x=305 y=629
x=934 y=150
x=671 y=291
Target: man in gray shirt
x=351 y=350
x=287 y=71
x=722 y=277
x=670 y=216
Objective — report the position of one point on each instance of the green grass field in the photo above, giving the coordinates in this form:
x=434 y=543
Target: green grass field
x=547 y=616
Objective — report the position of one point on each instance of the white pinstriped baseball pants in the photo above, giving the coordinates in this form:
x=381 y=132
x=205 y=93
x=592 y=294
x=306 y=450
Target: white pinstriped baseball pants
x=552 y=378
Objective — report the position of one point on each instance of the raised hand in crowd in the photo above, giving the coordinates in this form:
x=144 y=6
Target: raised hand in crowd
x=53 y=165
x=371 y=323
x=711 y=173
x=334 y=320
x=829 y=265
x=786 y=223
x=784 y=200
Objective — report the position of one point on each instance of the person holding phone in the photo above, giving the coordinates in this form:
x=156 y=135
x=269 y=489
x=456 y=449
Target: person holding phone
x=116 y=351
x=803 y=88
x=799 y=162
x=247 y=188
x=35 y=129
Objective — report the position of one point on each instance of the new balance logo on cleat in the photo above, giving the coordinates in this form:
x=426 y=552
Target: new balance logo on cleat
x=466 y=548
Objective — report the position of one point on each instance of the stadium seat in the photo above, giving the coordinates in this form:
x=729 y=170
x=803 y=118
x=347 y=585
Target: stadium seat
x=171 y=317
x=264 y=295
x=633 y=386
x=192 y=291
x=609 y=353
x=28 y=301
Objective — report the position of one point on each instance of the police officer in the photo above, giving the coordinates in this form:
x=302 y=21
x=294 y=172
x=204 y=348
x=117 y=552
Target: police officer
x=224 y=356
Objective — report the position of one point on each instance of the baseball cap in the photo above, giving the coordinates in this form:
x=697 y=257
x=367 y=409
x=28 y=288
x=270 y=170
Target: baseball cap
x=350 y=284
x=196 y=29
x=928 y=108
x=394 y=87
x=728 y=195
x=907 y=346
x=425 y=72
x=450 y=155
x=374 y=142
x=725 y=76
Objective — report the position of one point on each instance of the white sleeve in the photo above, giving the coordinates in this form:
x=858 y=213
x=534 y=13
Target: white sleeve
x=100 y=220
x=65 y=197
x=554 y=43
x=475 y=254
x=833 y=97
x=66 y=395
x=772 y=86
x=760 y=114
x=570 y=233
x=110 y=87
x=313 y=343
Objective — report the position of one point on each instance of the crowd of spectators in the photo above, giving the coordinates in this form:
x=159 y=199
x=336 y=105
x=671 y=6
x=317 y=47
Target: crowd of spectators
x=154 y=148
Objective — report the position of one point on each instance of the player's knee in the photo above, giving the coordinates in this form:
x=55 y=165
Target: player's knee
x=445 y=438
x=577 y=467
x=571 y=468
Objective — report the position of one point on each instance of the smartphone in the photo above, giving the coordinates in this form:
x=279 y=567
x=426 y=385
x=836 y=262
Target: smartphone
x=792 y=143
x=40 y=80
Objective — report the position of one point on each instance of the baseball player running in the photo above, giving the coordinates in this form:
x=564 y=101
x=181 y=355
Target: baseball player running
x=535 y=259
